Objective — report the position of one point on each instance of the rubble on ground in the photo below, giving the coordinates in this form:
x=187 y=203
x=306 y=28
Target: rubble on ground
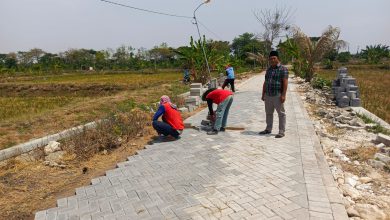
x=359 y=160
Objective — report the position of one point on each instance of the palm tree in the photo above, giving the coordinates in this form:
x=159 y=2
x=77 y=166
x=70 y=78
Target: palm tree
x=312 y=50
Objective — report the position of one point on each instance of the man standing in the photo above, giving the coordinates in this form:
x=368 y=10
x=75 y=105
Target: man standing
x=229 y=77
x=274 y=94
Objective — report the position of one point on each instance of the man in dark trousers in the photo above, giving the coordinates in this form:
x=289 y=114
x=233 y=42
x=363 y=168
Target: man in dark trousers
x=229 y=77
x=172 y=122
x=274 y=94
x=224 y=99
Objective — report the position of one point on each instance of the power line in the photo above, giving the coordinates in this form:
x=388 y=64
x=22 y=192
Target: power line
x=146 y=10
x=204 y=26
x=162 y=13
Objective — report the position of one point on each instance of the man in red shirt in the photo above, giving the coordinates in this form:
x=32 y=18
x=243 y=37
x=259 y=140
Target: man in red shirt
x=172 y=123
x=224 y=99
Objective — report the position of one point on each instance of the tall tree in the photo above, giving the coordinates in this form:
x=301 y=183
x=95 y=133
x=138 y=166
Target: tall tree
x=246 y=43
x=311 y=50
x=374 y=53
x=274 y=22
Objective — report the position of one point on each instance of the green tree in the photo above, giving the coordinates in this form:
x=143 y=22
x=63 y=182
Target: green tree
x=192 y=57
x=374 y=53
x=11 y=61
x=344 y=57
x=247 y=43
x=163 y=55
x=310 y=51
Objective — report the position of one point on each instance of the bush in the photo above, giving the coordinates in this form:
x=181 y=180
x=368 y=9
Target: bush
x=320 y=83
x=344 y=57
x=108 y=134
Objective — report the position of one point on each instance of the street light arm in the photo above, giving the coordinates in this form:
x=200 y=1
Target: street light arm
x=198 y=8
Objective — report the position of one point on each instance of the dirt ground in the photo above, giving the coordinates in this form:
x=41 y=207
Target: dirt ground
x=29 y=186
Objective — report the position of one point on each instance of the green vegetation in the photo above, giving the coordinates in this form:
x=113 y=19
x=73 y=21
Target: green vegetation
x=374 y=53
x=377 y=128
x=320 y=83
x=307 y=51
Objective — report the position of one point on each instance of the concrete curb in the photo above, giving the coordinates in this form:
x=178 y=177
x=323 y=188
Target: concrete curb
x=35 y=143
x=332 y=191
x=363 y=111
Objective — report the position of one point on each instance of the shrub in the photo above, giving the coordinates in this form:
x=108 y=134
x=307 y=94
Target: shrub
x=109 y=134
x=320 y=83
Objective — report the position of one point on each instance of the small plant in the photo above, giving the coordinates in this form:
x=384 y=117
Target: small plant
x=320 y=83
x=366 y=119
x=379 y=129
x=387 y=168
x=375 y=129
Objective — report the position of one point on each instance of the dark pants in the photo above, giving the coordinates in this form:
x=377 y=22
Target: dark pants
x=229 y=81
x=165 y=129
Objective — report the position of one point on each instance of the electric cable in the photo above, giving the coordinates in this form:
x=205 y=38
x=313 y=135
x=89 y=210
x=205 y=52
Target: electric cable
x=146 y=10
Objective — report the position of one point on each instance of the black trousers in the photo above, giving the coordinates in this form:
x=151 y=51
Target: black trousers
x=229 y=81
x=165 y=129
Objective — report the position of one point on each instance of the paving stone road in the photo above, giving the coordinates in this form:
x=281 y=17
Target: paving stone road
x=234 y=175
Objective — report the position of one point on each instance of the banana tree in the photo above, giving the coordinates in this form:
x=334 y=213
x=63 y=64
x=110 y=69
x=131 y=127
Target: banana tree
x=308 y=51
x=192 y=58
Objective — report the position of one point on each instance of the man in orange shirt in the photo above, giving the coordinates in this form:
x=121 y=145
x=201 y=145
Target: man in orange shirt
x=224 y=99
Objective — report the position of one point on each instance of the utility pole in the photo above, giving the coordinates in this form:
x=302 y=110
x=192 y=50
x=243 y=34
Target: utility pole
x=200 y=38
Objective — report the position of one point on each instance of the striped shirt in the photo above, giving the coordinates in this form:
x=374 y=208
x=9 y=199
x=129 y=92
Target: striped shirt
x=274 y=80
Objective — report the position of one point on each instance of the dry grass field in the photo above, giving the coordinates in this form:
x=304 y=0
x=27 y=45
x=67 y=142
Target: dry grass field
x=374 y=86
x=34 y=106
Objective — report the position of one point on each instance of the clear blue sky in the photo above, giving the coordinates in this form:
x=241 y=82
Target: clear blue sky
x=57 y=25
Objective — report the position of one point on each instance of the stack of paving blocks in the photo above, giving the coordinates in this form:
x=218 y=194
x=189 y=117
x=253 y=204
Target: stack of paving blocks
x=194 y=100
x=213 y=83
x=345 y=89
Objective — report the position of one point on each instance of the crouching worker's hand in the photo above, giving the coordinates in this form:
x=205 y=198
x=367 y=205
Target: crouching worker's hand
x=213 y=117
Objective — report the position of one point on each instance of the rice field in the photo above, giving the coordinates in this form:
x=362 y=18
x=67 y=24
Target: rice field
x=34 y=106
x=374 y=87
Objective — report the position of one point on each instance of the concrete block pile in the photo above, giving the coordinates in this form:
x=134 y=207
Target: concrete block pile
x=345 y=89
x=194 y=99
x=214 y=83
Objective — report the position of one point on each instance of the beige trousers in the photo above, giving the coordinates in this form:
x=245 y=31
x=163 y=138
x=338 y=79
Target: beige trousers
x=273 y=103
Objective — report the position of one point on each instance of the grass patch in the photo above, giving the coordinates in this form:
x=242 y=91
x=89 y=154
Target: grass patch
x=377 y=128
x=361 y=153
x=14 y=107
x=128 y=78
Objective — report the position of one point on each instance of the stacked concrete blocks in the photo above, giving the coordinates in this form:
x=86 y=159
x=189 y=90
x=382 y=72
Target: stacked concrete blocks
x=214 y=83
x=194 y=100
x=345 y=89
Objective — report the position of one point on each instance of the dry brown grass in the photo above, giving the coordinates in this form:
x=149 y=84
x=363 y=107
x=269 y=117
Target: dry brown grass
x=34 y=118
x=109 y=134
x=374 y=88
x=361 y=153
